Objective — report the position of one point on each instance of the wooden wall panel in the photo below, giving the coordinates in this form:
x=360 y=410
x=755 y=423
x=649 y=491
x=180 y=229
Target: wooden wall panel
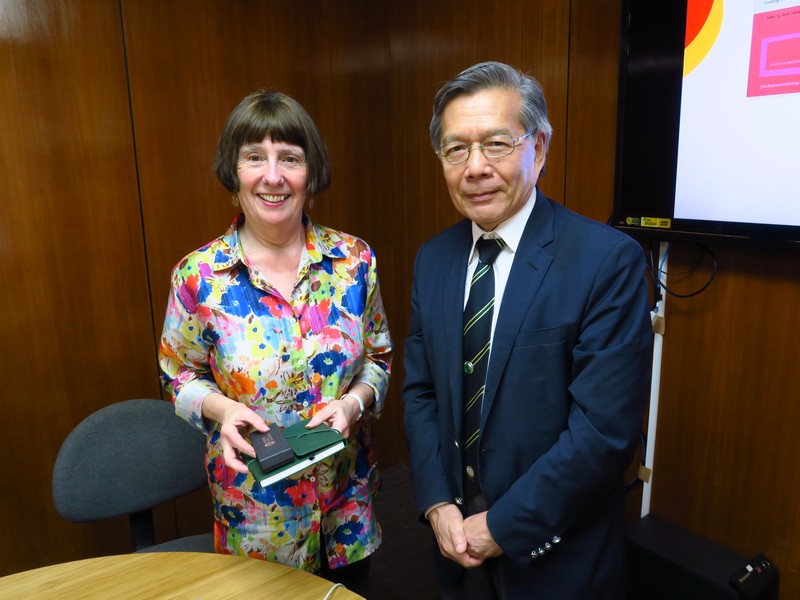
x=592 y=107
x=726 y=461
x=367 y=73
x=76 y=319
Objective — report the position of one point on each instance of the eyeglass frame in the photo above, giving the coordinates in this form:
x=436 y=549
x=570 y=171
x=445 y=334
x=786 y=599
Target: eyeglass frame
x=514 y=144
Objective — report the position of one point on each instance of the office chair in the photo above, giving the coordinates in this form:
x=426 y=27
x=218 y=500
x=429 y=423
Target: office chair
x=126 y=458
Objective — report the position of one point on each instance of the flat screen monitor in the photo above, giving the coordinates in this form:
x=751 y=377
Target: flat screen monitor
x=708 y=137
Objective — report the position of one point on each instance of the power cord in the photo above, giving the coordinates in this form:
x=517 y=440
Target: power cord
x=333 y=589
x=655 y=274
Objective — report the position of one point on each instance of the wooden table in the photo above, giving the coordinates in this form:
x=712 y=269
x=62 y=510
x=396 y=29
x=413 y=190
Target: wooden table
x=178 y=575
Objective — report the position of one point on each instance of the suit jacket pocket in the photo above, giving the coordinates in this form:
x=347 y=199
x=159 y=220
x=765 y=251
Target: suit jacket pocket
x=541 y=337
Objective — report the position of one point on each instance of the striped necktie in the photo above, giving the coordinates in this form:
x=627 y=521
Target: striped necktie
x=477 y=341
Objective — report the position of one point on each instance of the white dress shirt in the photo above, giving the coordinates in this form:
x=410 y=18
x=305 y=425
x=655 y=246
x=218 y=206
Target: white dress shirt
x=510 y=232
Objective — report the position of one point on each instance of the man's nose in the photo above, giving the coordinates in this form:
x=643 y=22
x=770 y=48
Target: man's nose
x=477 y=163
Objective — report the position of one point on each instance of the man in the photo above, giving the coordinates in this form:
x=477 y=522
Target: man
x=529 y=504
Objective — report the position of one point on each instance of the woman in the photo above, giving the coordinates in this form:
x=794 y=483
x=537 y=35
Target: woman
x=279 y=320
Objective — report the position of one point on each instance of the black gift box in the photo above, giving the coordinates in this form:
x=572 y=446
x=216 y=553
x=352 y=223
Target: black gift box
x=272 y=449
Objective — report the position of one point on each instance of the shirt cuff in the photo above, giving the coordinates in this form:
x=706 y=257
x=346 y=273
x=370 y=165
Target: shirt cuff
x=189 y=402
x=437 y=505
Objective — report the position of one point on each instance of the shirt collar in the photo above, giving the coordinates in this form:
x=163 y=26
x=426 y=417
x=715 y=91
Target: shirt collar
x=510 y=230
x=228 y=250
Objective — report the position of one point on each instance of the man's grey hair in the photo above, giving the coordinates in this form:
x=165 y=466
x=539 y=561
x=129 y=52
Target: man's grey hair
x=494 y=75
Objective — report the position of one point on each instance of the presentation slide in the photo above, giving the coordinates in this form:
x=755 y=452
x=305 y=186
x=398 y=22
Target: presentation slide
x=775 y=50
x=739 y=141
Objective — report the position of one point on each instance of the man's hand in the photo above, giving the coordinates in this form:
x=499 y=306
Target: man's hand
x=480 y=543
x=448 y=526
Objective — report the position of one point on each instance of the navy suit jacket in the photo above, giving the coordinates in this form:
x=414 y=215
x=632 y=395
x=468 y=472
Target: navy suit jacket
x=566 y=389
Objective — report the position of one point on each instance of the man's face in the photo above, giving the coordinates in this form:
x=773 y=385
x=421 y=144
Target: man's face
x=490 y=191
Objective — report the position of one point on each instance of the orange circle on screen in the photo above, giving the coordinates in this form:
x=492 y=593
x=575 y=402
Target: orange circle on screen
x=703 y=23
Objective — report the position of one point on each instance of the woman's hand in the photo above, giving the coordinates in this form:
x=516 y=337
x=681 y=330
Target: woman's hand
x=234 y=419
x=341 y=414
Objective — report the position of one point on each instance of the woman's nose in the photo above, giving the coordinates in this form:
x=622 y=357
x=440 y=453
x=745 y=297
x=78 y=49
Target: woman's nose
x=271 y=172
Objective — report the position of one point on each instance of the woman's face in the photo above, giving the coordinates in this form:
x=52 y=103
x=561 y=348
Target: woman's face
x=272 y=183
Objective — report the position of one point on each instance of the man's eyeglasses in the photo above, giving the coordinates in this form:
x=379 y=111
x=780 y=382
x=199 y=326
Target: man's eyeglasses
x=496 y=146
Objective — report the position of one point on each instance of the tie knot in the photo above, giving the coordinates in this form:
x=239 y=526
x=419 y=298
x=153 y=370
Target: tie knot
x=488 y=249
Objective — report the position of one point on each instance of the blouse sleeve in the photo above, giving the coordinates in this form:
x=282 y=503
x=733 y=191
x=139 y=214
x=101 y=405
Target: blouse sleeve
x=183 y=353
x=376 y=366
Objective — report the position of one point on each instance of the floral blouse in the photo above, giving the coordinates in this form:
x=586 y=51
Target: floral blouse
x=228 y=330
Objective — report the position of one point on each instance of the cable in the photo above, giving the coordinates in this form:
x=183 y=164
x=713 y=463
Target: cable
x=655 y=274
x=333 y=589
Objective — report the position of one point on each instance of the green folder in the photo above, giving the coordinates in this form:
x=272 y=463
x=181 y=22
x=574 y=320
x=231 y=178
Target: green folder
x=309 y=447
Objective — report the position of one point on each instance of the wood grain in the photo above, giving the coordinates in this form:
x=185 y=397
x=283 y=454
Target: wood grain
x=77 y=322
x=110 y=113
x=157 y=575
x=725 y=464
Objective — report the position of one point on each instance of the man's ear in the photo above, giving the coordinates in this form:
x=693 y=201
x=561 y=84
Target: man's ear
x=541 y=153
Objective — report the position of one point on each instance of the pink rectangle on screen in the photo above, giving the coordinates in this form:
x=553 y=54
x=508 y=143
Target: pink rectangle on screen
x=775 y=53
x=778 y=53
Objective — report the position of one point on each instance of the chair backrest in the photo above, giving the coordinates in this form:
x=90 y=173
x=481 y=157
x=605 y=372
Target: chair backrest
x=125 y=459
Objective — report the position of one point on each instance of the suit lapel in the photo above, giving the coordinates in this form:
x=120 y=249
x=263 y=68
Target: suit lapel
x=528 y=271
x=452 y=311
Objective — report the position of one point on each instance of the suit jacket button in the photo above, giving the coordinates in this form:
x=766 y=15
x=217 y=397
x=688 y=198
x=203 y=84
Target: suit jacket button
x=556 y=539
x=468 y=368
x=459 y=500
x=533 y=554
x=457 y=446
x=470 y=472
x=548 y=546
